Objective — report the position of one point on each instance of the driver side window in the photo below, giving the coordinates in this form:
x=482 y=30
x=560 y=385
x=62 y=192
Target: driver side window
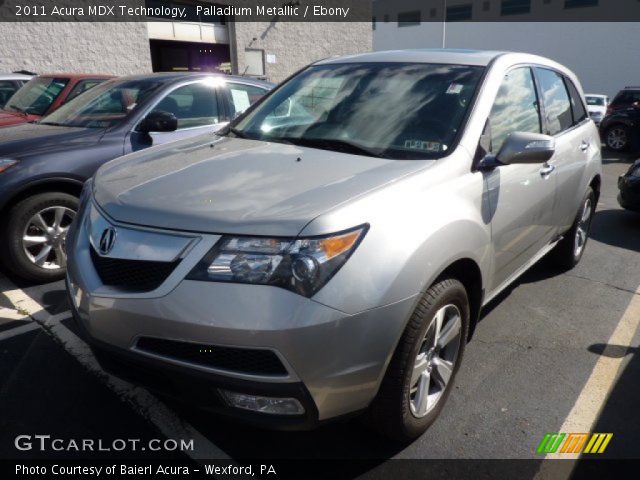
x=194 y=105
x=516 y=107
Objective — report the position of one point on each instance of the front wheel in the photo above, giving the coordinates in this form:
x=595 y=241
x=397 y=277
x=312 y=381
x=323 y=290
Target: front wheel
x=34 y=240
x=569 y=251
x=422 y=369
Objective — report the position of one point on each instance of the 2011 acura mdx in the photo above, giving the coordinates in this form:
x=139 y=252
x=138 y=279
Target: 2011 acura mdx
x=329 y=253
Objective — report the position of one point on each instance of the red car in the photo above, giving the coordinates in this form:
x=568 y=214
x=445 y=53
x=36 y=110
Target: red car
x=43 y=94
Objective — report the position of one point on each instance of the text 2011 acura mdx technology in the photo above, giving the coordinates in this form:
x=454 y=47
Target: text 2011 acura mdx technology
x=330 y=251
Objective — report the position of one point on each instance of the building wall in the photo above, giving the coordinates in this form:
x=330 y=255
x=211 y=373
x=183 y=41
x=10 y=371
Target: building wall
x=296 y=44
x=600 y=53
x=118 y=48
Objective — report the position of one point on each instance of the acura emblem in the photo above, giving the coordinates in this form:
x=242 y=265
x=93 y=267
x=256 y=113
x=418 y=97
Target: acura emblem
x=107 y=240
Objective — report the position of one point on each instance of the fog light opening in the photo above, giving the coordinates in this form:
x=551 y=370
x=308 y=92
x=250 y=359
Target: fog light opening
x=257 y=403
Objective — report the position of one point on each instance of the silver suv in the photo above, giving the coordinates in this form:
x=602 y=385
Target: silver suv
x=329 y=253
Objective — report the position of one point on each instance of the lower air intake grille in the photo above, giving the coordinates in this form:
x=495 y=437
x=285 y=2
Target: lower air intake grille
x=241 y=360
x=131 y=275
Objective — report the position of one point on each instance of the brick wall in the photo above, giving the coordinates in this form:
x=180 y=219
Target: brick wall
x=296 y=44
x=118 y=48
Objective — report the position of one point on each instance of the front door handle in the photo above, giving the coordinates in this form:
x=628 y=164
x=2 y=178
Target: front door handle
x=584 y=146
x=546 y=170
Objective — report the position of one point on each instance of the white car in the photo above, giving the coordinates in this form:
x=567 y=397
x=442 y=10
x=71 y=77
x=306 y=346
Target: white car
x=597 y=106
x=9 y=84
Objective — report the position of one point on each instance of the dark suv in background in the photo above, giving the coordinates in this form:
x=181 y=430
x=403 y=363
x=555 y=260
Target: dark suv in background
x=44 y=165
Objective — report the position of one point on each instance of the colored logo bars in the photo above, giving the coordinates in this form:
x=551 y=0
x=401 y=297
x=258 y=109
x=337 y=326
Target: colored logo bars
x=574 y=443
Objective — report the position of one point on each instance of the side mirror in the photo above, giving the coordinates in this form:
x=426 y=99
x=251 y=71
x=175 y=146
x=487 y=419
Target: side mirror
x=521 y=147
x=158 y=121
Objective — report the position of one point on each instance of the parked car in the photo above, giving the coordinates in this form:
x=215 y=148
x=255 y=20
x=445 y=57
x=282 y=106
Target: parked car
x=43 y=165
x=625 y=98
x=597 y=106
x=629 y=185
x=620 y=130
x=9 y=84
x=44 y=94
x=287 y=271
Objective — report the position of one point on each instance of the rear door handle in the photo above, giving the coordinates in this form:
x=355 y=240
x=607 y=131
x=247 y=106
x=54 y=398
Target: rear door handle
x=584 y=146
x=546 y=170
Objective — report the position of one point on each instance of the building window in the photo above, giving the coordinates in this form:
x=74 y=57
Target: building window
x=580 y=3
x=409 y=19
x=515 y=7
x=459 y=13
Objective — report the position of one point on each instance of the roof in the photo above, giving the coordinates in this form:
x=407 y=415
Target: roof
x=422 y=55
x=180 y=76
x=14 y=76
x=76 y=76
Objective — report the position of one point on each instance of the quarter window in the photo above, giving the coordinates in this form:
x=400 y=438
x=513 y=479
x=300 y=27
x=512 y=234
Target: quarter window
x=557 y=105
x=577 y=107
x=515 y=108
x=194 y=105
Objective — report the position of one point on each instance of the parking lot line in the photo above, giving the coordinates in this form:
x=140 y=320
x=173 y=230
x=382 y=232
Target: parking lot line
x=604 y=375
x=141 y=400
x=18 y=330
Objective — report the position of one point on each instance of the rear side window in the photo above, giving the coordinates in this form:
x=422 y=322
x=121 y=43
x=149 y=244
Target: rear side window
x=557 y=104
x=577 y=107
x=515 y=108
x=82 y=86
x=7 y=89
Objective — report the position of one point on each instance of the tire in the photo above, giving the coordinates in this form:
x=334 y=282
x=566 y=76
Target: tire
x=396 y=411
x=618 y=138
x=29 y=259
x=569 y=251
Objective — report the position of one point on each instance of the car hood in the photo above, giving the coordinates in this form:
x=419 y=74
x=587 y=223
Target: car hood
x=34 y=138
x=15 y=118
x=237 y=186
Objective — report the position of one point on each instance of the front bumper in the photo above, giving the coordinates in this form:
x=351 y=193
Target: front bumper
x=334 y=361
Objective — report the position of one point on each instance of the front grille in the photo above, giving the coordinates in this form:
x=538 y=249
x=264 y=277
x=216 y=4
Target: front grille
x=131 y=275
x=241 y=360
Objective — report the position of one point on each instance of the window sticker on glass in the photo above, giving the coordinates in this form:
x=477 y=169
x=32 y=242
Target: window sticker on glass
x=422 y=145
x=455 y=89
x=240 y=100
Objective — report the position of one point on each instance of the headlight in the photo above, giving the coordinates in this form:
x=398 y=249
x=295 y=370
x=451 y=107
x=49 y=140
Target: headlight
x=302 y=265
x=6 y=163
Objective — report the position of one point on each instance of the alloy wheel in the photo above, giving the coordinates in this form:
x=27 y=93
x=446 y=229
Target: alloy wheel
x=582 y=230
x=617 y=138
x=43 y=239
x=436 y=360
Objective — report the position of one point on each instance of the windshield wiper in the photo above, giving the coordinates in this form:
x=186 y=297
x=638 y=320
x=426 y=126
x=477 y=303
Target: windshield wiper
x=54 y=124
x=237 y=133
x=334 y=144
x=18 y=110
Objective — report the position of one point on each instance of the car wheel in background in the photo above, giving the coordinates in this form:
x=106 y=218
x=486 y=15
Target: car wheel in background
x=33 y=244
x=617 y=138
x=570 y=249
x=422 y=369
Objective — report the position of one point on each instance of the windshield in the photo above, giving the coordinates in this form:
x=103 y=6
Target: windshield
x=389 y=110
x=595 y=101
x=103 y=106
x=37 y=95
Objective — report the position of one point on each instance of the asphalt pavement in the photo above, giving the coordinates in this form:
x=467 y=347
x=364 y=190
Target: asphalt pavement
x=528 y=370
